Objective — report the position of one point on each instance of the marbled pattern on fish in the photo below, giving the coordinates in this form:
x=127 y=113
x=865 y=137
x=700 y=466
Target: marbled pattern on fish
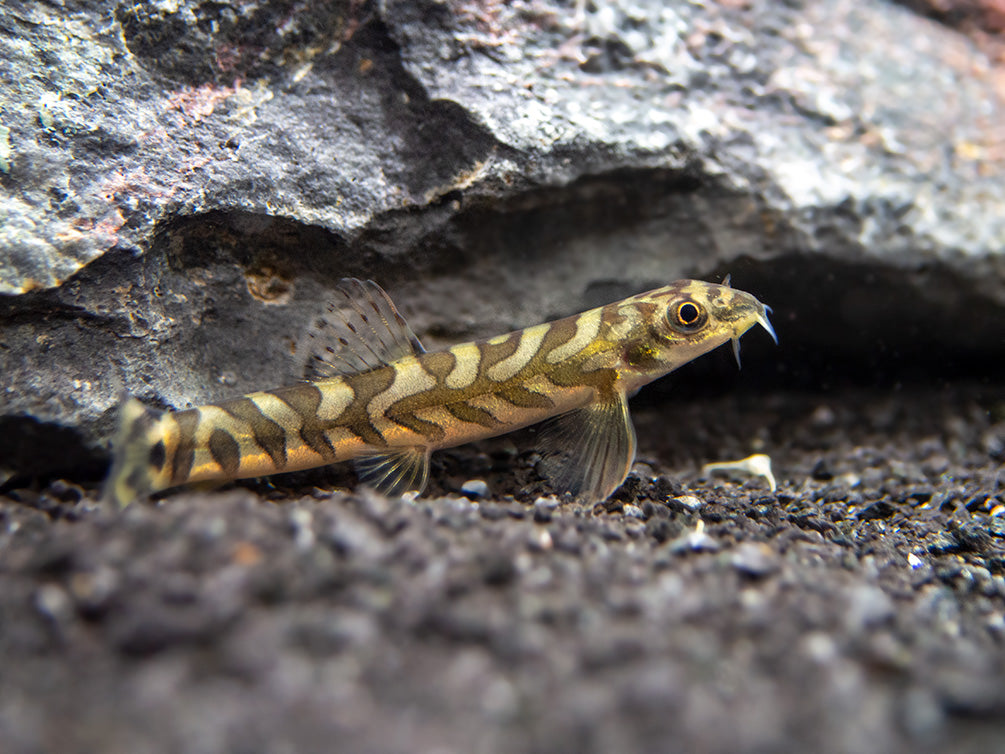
x=374 y=396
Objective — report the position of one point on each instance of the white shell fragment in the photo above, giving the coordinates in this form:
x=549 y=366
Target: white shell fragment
x=475 y=488
x=694 y=541
x=758 y=464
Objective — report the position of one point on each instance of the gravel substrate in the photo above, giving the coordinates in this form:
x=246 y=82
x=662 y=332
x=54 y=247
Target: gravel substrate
x=859 y=608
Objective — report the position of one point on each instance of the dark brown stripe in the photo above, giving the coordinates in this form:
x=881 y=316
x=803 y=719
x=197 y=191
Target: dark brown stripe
x=225 y=451
x=610 y=315
x=646 y=309
x=406 y=418
x=268 y=434
x=559 y=333
x=438 y=364
x=304 y=399
x=520 y=396
x=567 y=374
x=184 y=452
x=158 y=455
x=356 y=417
x=493 y=353
x=468 y=413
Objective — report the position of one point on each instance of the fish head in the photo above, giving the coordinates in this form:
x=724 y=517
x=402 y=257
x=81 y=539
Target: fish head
x=679 y=322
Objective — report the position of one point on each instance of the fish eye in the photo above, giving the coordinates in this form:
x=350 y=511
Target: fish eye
x=686 y=316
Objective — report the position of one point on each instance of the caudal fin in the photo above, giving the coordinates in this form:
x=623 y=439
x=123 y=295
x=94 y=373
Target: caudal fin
x=134 y=454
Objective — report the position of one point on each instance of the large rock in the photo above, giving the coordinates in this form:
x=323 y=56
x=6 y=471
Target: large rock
x=182 y=182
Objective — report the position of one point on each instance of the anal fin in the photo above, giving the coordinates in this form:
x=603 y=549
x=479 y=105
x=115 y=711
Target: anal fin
x=589 y=451
x=395 y=471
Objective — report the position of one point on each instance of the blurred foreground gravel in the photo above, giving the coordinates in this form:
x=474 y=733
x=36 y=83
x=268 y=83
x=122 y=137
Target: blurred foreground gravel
x=860 y=608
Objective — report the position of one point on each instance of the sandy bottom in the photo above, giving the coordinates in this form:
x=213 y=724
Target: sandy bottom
x=859 y=608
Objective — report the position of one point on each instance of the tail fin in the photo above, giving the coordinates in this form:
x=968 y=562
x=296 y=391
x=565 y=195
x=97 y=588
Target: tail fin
x=135 y=459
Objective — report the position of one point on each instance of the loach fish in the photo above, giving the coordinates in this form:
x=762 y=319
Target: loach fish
x=373 y=395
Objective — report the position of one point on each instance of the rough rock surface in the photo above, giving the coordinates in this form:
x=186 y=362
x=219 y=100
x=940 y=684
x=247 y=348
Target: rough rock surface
x=182 y=182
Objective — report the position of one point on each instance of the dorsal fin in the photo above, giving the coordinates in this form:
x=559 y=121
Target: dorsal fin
x=361 y=330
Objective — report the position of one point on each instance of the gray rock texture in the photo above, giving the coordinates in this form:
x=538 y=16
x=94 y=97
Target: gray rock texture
x=181 y=183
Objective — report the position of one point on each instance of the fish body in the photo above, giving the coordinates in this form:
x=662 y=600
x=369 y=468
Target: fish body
x=375 y=397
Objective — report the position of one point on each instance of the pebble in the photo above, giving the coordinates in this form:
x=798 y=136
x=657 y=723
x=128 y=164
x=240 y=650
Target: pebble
x=544 y=508
x=881 y=509
x=694 y=541
x=995 y=623
x=754 y=559
x=633 y=511
x=867 y=607
x=301 y=524
x=823 y=416
x=995 y=525
x=822 y=471
x=475 y=488
x=689 y=502
x=492 y=511
x=54 y=603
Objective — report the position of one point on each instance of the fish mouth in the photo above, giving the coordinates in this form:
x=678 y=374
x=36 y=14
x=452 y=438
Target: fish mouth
x=761 y=319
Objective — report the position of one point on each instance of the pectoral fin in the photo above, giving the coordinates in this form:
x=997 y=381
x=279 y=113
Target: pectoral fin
x=589 y=451
x=395 y=472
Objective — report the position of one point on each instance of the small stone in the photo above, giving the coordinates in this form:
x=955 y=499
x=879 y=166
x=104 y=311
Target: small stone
x=999 y=581
x=970 y=536
x=878 y=510
x=758 y=464
x=867 y=607
x=53 y=603
x=823 y=416
x=543 y=541
x=301 y=525
x=516 y=511
x=498 y=569
x=995 y=623
x=694 y=541
x=822 y=471
x=93 y=590
x=65 y=492
x=754 y=559
x=543 y=509
x=688 y=502
x=475 y=488
x=941 y=544
x=492 y=512
x=550 y=503
x=665 y=487
x=635 y=530
x=659 y=529
x=820 y=648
